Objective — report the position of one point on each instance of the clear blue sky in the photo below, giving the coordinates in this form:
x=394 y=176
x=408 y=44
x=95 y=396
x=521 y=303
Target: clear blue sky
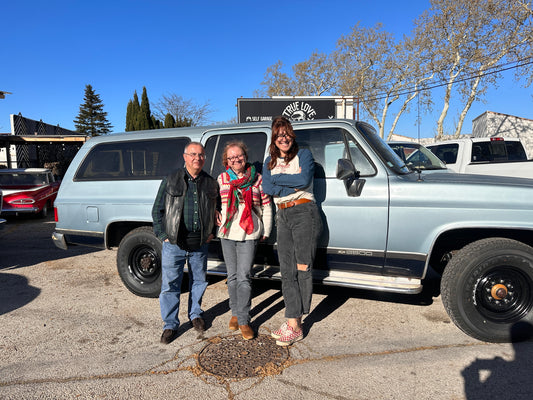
x=200 y=50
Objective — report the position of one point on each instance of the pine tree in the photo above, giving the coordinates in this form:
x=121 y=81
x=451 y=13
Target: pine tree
x=145 y=117
x=183 y=121
x=136 y=109
x=139 y=117
x=156 y=124
x=170 y=122
x=92 y=119
x=129 y=117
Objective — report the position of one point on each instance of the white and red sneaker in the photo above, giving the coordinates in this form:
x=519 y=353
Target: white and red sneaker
x=279 y=332
x=290 y=336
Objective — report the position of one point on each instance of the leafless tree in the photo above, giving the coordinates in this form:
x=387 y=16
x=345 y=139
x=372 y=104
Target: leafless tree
x=315 y=76
x=457 y=48
x=276 y=82
x=468 y=40
x=182 y=108
x=380 y=72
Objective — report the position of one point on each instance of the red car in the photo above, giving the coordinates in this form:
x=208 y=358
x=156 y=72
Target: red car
x=28 y=191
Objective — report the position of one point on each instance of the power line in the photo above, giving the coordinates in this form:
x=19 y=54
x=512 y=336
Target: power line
x=382 y=96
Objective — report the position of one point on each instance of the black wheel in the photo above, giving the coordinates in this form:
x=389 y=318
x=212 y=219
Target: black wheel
x=139 y=262
x=44 y=212
x=487 y=290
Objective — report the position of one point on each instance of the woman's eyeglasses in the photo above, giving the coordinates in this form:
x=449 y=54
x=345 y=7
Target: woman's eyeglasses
x=235 y=158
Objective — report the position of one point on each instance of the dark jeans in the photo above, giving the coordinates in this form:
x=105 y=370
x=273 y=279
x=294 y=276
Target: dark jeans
x=298 y=231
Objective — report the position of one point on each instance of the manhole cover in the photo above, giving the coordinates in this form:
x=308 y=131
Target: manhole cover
x=234 y=357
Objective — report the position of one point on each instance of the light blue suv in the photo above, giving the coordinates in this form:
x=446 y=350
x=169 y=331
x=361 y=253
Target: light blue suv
x=385 y=226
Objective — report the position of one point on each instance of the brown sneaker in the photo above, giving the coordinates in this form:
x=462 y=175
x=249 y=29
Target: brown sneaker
x=247 y=332
x=168 y=336
x=198 y=324
x=233 y=324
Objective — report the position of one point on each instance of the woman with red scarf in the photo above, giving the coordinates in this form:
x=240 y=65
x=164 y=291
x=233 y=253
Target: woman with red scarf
x=246 y=219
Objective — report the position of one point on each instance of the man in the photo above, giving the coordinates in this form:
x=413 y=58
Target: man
x=184 y=215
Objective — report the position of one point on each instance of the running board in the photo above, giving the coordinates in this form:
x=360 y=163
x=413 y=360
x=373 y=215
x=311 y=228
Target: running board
x=334 y=278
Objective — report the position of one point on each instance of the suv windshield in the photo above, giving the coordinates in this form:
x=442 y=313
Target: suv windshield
x=382 y=149
x=417 y=156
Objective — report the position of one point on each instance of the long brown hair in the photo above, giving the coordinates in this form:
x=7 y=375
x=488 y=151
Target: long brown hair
x=277 y=124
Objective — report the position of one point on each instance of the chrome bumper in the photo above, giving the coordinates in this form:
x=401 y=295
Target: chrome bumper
x=59 y=240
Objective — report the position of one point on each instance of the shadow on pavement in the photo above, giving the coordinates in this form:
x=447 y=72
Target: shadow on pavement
x=334 y=298
x=15 y=292
x=497 y=378
x=27 y=241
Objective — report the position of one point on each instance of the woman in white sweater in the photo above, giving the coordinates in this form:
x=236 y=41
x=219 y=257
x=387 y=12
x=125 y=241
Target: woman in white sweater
x=246 y=219
x=288 y=178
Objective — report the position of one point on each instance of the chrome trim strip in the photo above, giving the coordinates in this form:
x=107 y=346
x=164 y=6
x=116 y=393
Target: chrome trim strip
x=334 y=278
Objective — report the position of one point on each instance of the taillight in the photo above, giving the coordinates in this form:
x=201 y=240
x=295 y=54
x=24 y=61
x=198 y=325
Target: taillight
x=55 y=214
x=22 y=201
x=496 y=139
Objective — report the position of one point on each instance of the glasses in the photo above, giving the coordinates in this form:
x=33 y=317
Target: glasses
x=235 y=158
x=283 y=136
x=201 y=156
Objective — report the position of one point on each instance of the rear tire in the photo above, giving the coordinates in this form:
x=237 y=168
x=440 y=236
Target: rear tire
x=139 y=262
x=487 y=290
x=44 y=212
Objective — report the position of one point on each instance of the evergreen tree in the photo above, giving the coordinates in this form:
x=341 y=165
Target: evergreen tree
x=145 y=117
x=139 y=117
x=130 y=117
x=136 y=109
x=156 y=124
x=170 y=122
x=183 y=121
x=92 y=119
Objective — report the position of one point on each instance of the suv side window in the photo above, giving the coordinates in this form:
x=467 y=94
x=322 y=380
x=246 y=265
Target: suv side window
x=214 y=147
x=141 y=159
x=328 y=145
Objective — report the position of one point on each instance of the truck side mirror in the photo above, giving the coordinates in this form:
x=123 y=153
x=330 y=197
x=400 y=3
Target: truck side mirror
x=346 y=172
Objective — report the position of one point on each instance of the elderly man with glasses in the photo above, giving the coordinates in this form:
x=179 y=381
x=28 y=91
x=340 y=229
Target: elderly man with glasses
x=184 y=215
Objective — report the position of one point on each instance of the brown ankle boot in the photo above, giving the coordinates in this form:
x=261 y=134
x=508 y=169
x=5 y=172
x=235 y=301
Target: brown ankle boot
x=247 y=332
x=233 y=324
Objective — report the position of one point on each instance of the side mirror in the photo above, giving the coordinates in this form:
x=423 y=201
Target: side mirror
x=346 y=172
x=345 y=169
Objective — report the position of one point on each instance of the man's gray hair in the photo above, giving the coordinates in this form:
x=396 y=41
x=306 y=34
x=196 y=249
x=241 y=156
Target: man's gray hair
x=193 y=143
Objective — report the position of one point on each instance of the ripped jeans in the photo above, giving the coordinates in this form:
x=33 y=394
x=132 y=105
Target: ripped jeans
x=298 y=229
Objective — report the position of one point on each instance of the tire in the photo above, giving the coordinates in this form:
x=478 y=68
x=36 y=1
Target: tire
x=139 y=262
x=487 y=290
x=44 y=212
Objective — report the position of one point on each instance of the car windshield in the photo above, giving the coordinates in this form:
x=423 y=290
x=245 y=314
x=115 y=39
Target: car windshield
x=382 y=149
x=22 y=179
x=417 y=156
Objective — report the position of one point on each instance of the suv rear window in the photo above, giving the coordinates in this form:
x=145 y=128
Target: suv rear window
x=139 y=159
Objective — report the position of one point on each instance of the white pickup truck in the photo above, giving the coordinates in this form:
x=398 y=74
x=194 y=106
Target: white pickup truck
x=486 y=156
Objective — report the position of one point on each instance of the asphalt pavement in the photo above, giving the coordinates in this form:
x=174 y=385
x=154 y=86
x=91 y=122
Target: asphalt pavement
x=69 y=329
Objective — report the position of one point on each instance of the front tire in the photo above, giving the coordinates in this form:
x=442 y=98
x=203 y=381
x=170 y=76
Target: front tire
x=139 y=262
x=487 y=290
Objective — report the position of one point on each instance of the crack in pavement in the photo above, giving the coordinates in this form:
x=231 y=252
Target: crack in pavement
x=198 y=371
